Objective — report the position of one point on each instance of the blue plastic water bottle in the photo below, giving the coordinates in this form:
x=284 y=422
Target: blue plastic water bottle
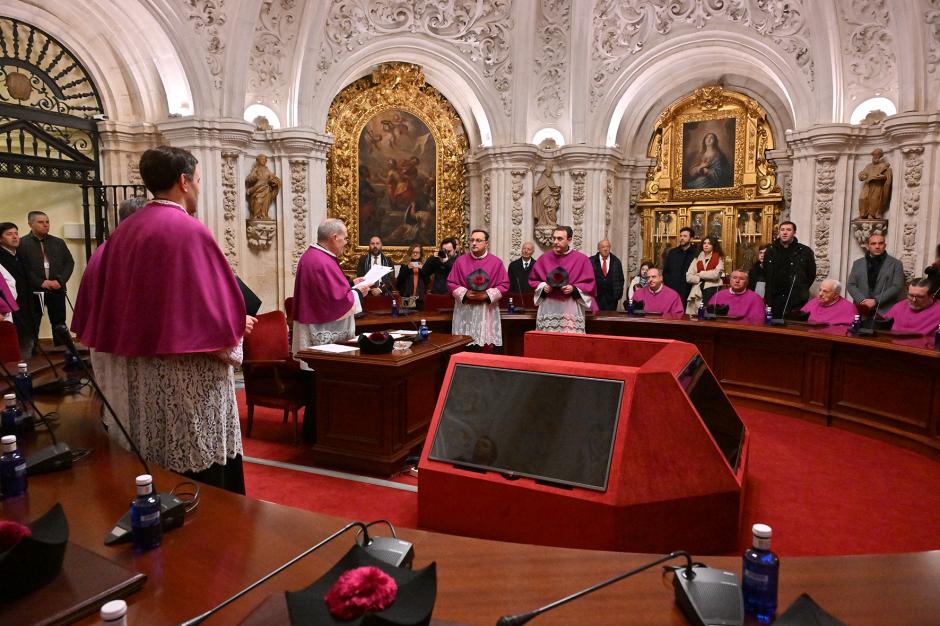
x=423 y=331
x=856 y=325
x=759 y=577
x=768 y=316
x=11 y=418
x=394 y=307
x=24 y=389
x=701 y=311
x=146 y=530
x=630 y=308
x=12 y=469
x=510 y=308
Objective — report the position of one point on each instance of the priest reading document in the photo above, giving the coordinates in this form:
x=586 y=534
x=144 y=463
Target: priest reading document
x=324 y=302
x=478 y=281
x=564 y=285
x=164 y=314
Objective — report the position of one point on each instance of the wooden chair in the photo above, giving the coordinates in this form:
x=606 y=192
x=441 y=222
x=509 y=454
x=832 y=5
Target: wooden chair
x=433 y=302
x=377 y=303
x=9 y=344
x=272 y=378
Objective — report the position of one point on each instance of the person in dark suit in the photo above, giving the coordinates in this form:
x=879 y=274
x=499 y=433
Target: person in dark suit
x=13 y=263
x=676 y=263
x=50 y=266
x=375 y=257
x=520 y=268
x=608 y=274
x=876 y=281
x=437 y=268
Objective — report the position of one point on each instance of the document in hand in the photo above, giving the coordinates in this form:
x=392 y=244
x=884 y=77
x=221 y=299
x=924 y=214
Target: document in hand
x=375 y=274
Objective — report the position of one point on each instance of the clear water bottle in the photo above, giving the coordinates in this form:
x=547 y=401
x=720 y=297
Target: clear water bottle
x=630 y=308
x=12 y=468
x=114 y=613
x=768 y=316
x=510 y=308
x=856 y=325
x=394 y=307
x=759 y=577
x=24 y=389
x=423 y=331
x=146 y=531
x=11 y=419
x=701 y=311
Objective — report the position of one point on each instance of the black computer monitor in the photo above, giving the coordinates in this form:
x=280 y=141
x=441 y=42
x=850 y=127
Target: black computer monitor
x=554 y=428
x=714 y=408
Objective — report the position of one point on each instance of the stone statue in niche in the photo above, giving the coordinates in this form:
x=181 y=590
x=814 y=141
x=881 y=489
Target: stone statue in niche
x=876 y=180
x=261 y=189
x=546 y=198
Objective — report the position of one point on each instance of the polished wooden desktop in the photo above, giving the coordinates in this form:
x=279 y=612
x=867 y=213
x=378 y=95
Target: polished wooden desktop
x=231 y=541
x=886 y=386
x=373 y=410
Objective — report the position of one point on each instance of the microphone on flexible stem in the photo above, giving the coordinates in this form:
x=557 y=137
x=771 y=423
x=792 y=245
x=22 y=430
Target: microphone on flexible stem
x=52 y=458
x=783 y=314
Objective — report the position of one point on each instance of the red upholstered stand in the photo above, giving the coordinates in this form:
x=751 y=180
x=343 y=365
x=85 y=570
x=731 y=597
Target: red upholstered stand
x=669 y=485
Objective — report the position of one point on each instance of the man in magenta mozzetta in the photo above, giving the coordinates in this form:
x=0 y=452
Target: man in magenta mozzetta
x=478 y=281
x=562 y=307
x=829 y=307
x=657 y=297
x=920 y=313
x=742 y=303
x=165 y=317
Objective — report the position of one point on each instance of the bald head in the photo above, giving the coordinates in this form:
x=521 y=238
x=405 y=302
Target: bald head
x=829 y=291
x=603 y=248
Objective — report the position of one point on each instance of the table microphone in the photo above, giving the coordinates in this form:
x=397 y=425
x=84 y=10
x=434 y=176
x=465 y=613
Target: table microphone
x=172 y=509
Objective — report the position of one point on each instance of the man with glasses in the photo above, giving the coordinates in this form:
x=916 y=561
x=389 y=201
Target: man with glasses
x=920 y=313
x=478 y=281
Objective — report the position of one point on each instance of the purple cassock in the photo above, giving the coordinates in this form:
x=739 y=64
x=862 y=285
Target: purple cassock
x=321 y=290
x=907 y=320
x=467 y=264
x=86 y=289
x=161 y=286
x=747 y=305
x=580 y=274
x=7 y=302
x=480 y=321
x=665 y=301
x=842 y=311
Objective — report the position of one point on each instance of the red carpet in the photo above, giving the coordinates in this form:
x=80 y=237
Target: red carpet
x=824 y=491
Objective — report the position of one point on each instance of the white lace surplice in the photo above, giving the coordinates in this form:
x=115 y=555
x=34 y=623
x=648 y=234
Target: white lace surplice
x=179 y=409
x=560 y=316
x=480 y=321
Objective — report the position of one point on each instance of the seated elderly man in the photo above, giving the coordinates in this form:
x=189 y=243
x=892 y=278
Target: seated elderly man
x=657 y=297
x=829 y=307
x=920 y=313
x=742 y=303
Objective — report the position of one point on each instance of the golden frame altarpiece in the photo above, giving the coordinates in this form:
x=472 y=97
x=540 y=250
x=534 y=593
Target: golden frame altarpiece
x=396 y=166
x=711 y=175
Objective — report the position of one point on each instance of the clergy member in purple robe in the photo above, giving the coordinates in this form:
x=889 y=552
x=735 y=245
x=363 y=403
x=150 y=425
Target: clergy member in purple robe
x=563 y=279
x=920 y=313
x=657 y=297
x=166 y=319
x=478 y=281
x=324 y=303
x=742 y=303
x=829 y=307
x=7 y=295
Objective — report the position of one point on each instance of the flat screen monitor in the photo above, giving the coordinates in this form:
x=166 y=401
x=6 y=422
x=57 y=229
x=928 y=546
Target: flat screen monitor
x=551 y=427
x=714 y=408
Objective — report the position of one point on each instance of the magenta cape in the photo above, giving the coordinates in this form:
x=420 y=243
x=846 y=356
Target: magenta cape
x=321 y=290
x=666 y=301
x=161 y=286
x=7 y=302
x=466 y=263
x=83 y=300
x=842 y=311
x=580 y=273
x=923 y=322
x=746 y=305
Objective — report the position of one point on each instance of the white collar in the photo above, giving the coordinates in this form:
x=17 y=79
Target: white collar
x=479 y=258
x=170 y=203
x=319 y=247
x=658 y=290
x=736 y=293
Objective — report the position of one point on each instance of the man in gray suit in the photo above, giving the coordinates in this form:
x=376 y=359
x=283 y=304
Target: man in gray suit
x=876 y=279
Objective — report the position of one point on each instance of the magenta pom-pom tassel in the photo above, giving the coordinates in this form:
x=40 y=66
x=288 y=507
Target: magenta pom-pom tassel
x=360 y=590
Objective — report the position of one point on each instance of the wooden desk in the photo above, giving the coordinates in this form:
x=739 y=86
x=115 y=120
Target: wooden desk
x=882 y=386
x=373 y=410
x=232 y=541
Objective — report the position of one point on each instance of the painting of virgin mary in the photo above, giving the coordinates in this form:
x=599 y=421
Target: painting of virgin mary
x=708 y=163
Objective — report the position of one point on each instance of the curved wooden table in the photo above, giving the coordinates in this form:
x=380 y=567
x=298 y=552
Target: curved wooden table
x=884 y=386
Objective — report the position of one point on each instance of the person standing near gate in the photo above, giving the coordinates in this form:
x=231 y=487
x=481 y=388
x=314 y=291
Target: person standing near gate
x=50 y=266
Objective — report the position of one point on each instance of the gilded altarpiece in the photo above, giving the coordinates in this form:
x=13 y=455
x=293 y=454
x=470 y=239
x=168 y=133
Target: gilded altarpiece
x=396 y=166
x=711 y=175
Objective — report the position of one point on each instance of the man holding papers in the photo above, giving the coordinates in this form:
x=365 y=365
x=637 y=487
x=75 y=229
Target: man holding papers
x=324 y=303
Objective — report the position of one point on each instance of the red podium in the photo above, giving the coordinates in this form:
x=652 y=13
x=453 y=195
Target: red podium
x=522 y=460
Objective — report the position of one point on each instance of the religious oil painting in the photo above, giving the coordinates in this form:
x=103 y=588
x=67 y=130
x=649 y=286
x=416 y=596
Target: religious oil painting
x=708 y=153
x=397 y=186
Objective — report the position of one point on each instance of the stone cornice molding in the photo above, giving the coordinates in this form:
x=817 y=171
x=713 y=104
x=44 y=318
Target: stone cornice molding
x=826 y=138
x=200 y=132
x=300 y=142
x=113 y=134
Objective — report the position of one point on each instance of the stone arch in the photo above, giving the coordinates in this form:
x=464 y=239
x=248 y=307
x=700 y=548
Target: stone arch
x=468 y=92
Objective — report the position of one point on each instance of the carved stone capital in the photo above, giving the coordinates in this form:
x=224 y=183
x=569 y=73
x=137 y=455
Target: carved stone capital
x=260 y=233
x=861 y=229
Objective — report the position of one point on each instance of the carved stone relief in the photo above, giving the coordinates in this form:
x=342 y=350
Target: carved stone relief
x=932 y=20
x=913 y=172
x=133 y=170
x=787 y=196
x=479 y=29
x=577 y=207
x=487 y=201
x=623 y=27
x=551 y=62
x=633 y=239
x=862 y=229
x=275 y=31
x=298 y=190
x=207 y=17
x=822 y=214
x=608 y=202
x=230 y=206
x=869 y=46
x=518 y=190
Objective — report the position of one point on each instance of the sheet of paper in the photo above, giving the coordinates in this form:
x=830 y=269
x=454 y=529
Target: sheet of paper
x=375 y=274
x=334 y=348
